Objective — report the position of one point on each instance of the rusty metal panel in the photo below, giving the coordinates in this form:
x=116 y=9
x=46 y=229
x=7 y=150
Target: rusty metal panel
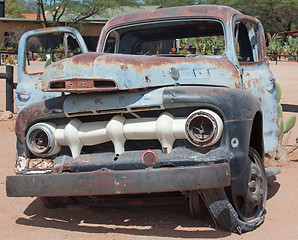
x=236 y=104
x=120 y=101
x=107 y=182
x=138 y=71
x=259 y=80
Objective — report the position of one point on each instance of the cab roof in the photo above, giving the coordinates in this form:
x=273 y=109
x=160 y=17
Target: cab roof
x=203 y=11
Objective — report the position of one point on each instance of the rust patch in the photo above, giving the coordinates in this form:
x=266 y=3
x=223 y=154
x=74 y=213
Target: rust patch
x=147 y=79
x=262 y=89
x=123 y=67
x=142 y=63
x=97 y=100
x=165 y=150
x=81 y=159
x=85 y=59
x=37 y=84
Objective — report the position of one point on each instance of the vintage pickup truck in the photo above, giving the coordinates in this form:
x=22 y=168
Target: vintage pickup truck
x=148 y=113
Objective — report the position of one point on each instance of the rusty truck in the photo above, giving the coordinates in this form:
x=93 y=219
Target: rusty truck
x=176 y=100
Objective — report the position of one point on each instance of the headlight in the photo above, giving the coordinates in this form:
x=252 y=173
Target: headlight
x=203 y=128
x=40 y=140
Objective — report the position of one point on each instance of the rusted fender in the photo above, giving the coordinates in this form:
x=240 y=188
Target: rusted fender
x=51 y=108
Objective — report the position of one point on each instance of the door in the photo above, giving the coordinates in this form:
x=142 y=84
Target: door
x=35 y=47
x=256 y=75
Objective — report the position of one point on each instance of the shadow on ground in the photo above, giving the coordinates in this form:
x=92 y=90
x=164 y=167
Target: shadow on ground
x=272 y=189
x=166 y=221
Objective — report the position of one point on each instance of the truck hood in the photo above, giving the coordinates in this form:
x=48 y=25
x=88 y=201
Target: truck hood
x=96 y=72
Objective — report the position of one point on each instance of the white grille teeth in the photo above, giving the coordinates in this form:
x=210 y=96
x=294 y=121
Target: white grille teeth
x=115 y=133
x=71 y=137
x=202 y=128
x=76 y=134
x=164 y=131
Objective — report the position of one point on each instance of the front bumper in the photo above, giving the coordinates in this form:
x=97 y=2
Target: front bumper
x=111 y=182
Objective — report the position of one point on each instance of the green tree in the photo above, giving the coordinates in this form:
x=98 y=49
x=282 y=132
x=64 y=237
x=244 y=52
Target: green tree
x=171 y=3
x=29 y=6
x=14 y=8
x=275 y=44
x=275 y=15
x=76 y=11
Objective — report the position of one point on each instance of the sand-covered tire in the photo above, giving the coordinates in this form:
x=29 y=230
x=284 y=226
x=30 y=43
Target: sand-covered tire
x=252 y=212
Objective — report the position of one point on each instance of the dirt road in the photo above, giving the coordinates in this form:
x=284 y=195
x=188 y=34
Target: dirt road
x=25 y=218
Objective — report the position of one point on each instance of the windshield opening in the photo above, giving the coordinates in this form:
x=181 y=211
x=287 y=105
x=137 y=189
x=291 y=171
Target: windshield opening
x=175 y=38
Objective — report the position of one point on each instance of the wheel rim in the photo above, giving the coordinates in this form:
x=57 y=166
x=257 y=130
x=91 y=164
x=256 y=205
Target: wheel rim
x=253 y=204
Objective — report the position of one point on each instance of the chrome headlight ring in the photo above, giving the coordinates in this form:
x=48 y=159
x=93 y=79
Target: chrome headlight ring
x=41 y=141
x=203 y=128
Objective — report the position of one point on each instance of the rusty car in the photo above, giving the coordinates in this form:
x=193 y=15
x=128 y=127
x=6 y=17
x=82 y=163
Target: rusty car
x=148 y=114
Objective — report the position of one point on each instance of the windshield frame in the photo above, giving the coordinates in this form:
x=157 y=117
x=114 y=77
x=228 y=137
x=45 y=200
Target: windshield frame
x=171 y=21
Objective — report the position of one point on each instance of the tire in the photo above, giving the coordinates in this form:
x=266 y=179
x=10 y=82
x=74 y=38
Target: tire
x=251 y=215
x=51 y=202
x=196 y=205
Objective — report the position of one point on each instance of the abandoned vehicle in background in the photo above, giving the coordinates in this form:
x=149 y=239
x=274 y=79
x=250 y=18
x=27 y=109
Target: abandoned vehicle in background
x=153 y=110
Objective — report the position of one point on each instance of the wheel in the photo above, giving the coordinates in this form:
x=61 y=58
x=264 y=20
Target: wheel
x=51 y=202
x=249 y=211
x=196 y=205
x=253 y=205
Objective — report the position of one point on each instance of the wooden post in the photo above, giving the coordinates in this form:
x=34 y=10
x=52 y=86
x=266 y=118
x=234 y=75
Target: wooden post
x=9 y=88
x=8 y=76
